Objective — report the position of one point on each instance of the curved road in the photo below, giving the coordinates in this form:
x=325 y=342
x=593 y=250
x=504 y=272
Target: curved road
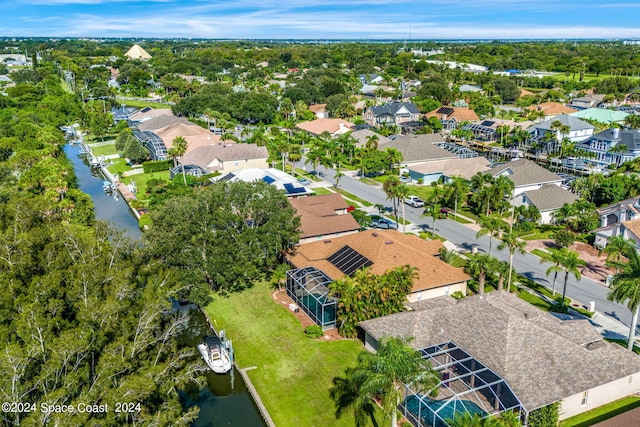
x=583 y=291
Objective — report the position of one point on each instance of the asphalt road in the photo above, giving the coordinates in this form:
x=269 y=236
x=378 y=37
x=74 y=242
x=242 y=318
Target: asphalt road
x=583 y=291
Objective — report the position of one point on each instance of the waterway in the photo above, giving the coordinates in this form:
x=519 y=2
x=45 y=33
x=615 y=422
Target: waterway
x=221 y=403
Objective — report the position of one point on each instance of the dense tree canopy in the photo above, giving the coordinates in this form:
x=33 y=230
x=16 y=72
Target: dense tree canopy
x=223 y=237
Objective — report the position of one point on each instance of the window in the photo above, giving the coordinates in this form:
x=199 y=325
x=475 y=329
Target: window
x=585 y=397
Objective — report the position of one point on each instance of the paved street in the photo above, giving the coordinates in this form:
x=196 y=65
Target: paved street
x=583 y=291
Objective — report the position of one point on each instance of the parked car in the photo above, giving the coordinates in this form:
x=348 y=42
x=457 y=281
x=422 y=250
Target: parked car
x=445 y=210
x=405 y=179
x=414 y=201
x=384 y=223
x=304 y=181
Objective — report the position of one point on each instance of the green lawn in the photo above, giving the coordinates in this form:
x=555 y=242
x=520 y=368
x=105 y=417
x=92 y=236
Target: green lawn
x=370 y=181
x=354 y=197
x=141 y=180
x=542 y=254
x=422 y=191
x=104 y=150
x=142 y=104
x=119 y=166
x=294 y=373
x=602 y=413
x=459 y=219
x=322 y=190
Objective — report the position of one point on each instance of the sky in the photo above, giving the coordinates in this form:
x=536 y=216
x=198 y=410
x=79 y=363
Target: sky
x=323 y=19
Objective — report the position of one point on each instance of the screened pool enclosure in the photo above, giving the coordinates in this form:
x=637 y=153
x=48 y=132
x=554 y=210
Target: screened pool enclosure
x=466 y=386
x=309 y=288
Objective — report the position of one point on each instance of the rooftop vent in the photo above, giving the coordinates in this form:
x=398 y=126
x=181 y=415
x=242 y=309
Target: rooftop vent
x=388 y=242
x=374 y=234
x=327 y=241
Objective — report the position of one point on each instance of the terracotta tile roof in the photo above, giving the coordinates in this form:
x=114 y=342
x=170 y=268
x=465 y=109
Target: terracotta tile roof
x=316 y=127
x=318 y=215
x=317 y=107
x=386 y=249
x=524 y=92
x=162 y=121
x=542 y=358
x=552 y=108
x=460 y=114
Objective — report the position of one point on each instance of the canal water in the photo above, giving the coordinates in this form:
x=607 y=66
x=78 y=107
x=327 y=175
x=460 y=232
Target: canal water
x=221 y=403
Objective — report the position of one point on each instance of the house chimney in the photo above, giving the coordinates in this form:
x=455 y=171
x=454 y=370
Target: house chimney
x=616 y=133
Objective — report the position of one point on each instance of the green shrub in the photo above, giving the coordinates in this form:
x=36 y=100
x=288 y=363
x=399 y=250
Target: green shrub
x=145 y=221
x=546 y=416
x=420 y=180
x=457 y=295
x=314 y=331
x=156 y=166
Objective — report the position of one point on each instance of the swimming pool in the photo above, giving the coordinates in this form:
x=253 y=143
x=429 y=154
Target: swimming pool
x=447 y=409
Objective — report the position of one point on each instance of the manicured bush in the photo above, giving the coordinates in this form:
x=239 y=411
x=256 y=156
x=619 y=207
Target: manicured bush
x=457 y=295
x=156 y=166
x=314 y=331
x=547 y=416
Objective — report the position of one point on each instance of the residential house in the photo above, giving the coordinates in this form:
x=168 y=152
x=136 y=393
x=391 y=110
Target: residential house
x=469 y=88
x=226 y=158
x=487 y=130
x=195 y=135
x=137 y=52
x=613 y=146
x=324 y=217
x=446 y=170
x=289 y=185
x=416 y=149
x=622 y=218
x=526 y=175
x=552 y=109
x=334 y=127
x=370 y=79
x=363 y=135
x=579 y=130
x=452 y=117
x=145 y=114
x=602 y=115
x=593 y=100
x=547 y=199
x=533 y=359
x=315 y=265
x=122 y=113
x=153 y=143
x=394 y=113
x=320 y=110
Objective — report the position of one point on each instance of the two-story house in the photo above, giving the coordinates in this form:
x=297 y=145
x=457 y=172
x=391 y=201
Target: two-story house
x=613 y=146
x=394 y=113
x=452 y=117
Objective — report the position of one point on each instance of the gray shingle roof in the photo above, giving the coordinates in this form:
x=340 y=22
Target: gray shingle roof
x=525 y=172
x=630 y=137
x=416 y=148
x=203 y=156
x=573 y=122
x=392 y=108
x=161 y=121
x=542 y=358
x=362 y=134
x=550 y=197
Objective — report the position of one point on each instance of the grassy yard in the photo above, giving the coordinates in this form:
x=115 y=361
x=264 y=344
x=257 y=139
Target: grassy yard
x=119 y=166
x=322 y=190
x=294 y=373
x=142 y=104
x=602 y=413
x=422 y=191
x=459 y=219
x=539 y=252
x=104 y=150
x=354 y=197
x=141 y=180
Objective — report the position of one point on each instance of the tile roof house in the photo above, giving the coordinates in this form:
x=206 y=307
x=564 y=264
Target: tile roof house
x=452 y=117
x=548 y=199
x=526 y=175
x=148 y=113
x=419 y=148
x=161 y=121
x=387 y=249
x=195 y=135
x=625 y=145
x=324 y=217
x=579 y=129
x=552 y=109
x=279 y=179
x=320 y=110
x=335 y=127
x=437 y=170
x=542 y=358
x=137 y=52
x=393 y=113
x=226 y=158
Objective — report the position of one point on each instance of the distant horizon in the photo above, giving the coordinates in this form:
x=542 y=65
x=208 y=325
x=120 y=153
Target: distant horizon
x=332 y=20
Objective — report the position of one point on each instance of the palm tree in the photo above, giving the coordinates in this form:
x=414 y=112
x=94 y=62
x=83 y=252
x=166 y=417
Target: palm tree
x=458 y=190
x=568 y=262
x=180 y=146
x=393 y=157
x=447 y=256
x=383 y=375
x=491 y=225
x=344 y=393
x=478 y=266
x=617 y=250
x=514 y=244
x=555 y=258
x=625 y=286
x=390 y=188
x=372 y=142
x=403 y=192
x=503 y=270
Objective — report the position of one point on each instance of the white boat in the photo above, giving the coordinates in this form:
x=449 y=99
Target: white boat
x=214 y=351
